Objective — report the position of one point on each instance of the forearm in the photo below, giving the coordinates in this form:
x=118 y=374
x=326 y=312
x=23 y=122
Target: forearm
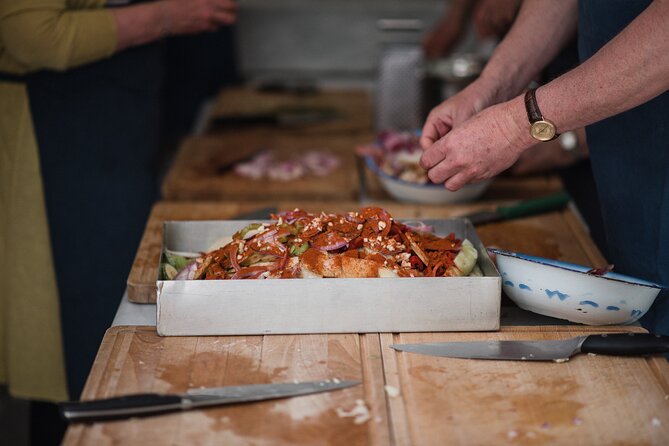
x=49 y=37
x=148 y=22
x=541 y=29
x=629 y=70
x=141 y=24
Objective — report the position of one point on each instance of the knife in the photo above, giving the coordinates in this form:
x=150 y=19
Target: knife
x=154 y=403
x=622 y=344
x=522 y=209
x=283 y=116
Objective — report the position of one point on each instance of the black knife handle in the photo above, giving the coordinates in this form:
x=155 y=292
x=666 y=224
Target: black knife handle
x=119 y=407
x=626 y=344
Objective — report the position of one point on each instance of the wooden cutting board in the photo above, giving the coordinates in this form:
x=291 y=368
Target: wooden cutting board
x=557 y=235
x=136 y=359
x=353 y=108
x=588 y=400
x=203 y=168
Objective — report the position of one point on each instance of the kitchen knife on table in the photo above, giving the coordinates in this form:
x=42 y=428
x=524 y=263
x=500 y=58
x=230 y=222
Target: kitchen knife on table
x=521 y=209
x=282 y=116
x=620 y=344
x=153 y=403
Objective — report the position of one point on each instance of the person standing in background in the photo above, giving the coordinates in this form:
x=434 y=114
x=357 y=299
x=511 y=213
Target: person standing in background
x=80 y=85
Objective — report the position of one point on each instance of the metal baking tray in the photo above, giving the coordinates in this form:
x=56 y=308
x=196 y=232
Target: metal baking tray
x=291 y=306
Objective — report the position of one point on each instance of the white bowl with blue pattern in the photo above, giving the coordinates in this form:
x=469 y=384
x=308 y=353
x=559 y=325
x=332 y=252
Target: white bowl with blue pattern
x=567 y=291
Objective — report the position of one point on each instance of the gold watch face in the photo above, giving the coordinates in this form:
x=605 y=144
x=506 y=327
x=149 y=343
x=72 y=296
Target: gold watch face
x=542 y=130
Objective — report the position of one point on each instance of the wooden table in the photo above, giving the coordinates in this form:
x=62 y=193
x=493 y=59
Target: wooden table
x=557 y=235
x=588 y=400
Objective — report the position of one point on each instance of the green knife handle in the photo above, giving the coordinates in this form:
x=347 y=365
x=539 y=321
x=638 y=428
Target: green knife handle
x=119 y=407
x=626 y=344
x=535 y=206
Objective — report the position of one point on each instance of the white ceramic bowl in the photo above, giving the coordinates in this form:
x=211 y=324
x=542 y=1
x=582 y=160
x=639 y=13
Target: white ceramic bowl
x=566 y=291
x=408 y=192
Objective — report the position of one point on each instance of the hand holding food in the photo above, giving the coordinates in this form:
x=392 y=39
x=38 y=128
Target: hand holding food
x=479 y=148
x=455 y=111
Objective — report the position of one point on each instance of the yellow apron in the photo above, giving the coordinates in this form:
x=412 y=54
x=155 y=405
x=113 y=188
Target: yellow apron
x=39 y=34
x=31 y=353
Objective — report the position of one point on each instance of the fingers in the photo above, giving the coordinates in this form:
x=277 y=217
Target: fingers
x=445 y=171
x=224 y=17
x=433 y=130
x=432 y=156
x=457 y=181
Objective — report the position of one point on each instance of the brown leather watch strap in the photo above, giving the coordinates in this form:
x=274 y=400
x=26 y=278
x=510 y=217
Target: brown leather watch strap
x=531 y=106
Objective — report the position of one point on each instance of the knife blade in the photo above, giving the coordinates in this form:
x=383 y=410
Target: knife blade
x=522 y=209
x=620 y=344
x=282 y=116
x=154 y=403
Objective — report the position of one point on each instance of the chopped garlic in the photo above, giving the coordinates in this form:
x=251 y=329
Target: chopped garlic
x=392 y=391
x=359 y=413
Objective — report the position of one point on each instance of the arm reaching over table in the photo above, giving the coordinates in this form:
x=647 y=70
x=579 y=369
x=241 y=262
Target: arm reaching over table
x=466 y=142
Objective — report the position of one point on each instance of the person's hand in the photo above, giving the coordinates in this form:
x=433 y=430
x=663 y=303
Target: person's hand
x=480 y=147
x=493 y=18
x=195 y=16
x=454 y=111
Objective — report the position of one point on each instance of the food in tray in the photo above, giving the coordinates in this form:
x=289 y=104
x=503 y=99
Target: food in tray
x=266 y=166
x=298 y=244
x=398 y=155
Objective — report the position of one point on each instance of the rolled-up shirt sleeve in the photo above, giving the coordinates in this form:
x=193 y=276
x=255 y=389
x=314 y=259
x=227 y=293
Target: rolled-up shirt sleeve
x=57 y=34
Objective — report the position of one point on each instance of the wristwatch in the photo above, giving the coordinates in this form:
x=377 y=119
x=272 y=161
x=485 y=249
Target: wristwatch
x=541 y=128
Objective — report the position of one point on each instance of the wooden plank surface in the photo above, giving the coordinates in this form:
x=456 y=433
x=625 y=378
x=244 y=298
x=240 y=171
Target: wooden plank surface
x=136 y=359
x=556 y=235
x=588 y=400
x=198 y=172
x=353 y=106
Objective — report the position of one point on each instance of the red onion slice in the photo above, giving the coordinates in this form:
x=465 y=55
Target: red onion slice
x=187 y=272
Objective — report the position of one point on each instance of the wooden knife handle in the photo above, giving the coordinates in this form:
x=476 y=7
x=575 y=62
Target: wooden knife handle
x=626 y=344
x=119 y=407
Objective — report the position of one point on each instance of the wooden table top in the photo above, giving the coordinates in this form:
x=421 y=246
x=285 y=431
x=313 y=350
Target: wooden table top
x=428 y=401
x=557 y=235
